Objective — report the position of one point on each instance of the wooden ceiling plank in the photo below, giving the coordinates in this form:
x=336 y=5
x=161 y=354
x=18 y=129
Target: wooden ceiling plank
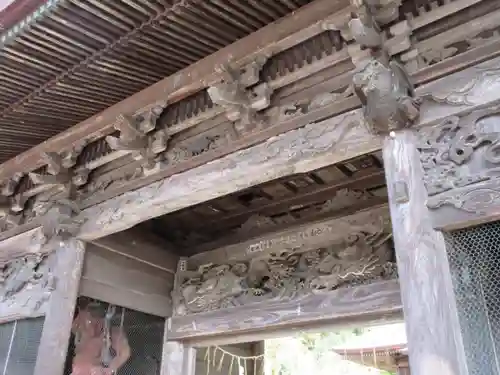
x=280 y=35
x=141 y=246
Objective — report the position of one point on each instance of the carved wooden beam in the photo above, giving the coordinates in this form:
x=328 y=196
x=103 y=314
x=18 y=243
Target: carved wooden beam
x=355 y=304
x=312 y=147
x=300 y=238
x=298 y=151
x=283 y=278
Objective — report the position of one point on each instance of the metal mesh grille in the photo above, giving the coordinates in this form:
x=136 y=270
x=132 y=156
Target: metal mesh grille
x=475 y=266
x=19 y=341
x=145 y=336
x=144 y=333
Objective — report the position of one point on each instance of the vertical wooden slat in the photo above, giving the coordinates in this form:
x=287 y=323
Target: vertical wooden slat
x=433 y=330
x=177 y=358
x=59 y=318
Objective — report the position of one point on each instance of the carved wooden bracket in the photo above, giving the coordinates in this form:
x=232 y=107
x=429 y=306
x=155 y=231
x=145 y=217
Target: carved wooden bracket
x=137 y=136
x=387 y=95
x=60 y=174
x=59 y=218
x=234 y=95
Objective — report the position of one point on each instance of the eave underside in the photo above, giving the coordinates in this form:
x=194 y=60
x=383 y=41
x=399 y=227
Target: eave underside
x=77 y=58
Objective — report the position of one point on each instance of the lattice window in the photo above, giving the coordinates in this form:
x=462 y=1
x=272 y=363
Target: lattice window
x=19 y=341
x=474 y=255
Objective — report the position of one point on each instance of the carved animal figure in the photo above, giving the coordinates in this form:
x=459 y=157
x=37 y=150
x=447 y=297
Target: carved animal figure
x=217 y=284
x=387 y=96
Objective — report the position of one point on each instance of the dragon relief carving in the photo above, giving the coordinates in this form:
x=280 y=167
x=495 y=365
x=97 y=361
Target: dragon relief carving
x=362 y=258
x=26 y=284
x=461 y=152
x=387 y=96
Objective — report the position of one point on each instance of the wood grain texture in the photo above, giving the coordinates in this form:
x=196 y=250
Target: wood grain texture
x=314 y=146
x=30 y=242
x=300 y=238
x=143 y=247
x=433 y=330
x=302 y=150
x=374 y=299
x=59 y=317
x=122 y=281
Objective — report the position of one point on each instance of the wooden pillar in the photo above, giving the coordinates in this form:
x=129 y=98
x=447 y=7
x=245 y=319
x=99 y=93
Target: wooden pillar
x=434 y=336
x=56 y=332
x=177 y=358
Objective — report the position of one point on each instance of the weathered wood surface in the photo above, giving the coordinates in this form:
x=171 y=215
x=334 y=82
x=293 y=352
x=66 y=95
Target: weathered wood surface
x=30 y=242
x=315 y=146
x=177 y=358
x=460 y=163
x=299 y=238
x=26 y=270
x=125 y=282
x=141 y=246
x=433 y=330
x=375 y=299
x=60 y=312
x=278 y=36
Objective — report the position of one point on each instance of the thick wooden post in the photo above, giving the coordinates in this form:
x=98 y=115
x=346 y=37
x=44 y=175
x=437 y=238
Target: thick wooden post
x=177 y=358
x=434 y=337
x=59 y=317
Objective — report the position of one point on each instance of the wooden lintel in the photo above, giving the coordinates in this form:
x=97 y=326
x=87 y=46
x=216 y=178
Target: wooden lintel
x=377 y=299
x=278 y=36
x=299 y=238
x=142 y=247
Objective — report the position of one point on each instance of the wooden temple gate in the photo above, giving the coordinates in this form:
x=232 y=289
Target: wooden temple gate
x=337 y=166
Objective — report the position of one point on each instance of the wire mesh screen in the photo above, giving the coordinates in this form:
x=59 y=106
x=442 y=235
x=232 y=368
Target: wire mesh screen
x=144 y=334
x=475 y=266
x=19 y=341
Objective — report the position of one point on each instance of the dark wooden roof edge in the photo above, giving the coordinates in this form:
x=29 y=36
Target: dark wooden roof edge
x=278 y=36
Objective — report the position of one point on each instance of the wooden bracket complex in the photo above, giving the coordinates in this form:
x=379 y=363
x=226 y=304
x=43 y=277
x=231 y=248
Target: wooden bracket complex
x=235 y=96
x=381 y=83
x=134 y=137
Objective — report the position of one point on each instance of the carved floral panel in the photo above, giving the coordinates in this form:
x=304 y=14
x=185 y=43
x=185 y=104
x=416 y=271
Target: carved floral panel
x=26 y=284
x=362 y=257
x=461 y=162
